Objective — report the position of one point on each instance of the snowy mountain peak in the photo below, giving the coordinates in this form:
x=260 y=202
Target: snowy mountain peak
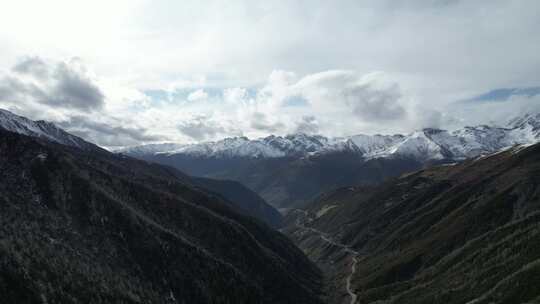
x=422 y=145
x=41 y=129
x=527 y=121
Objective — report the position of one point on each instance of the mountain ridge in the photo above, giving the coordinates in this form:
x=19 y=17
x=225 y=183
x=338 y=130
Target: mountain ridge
x=425 y=144
x=43 y=129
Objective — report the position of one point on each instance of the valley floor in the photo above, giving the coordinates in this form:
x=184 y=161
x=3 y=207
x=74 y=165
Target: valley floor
x=346 y=255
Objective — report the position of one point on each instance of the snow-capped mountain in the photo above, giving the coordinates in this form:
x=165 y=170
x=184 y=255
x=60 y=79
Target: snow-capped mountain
x=422 y=145
x=42 y=129
x=152 y=148
x=267 y=147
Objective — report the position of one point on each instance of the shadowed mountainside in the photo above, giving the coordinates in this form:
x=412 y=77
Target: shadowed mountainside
x=291 y=182
x=90 y=226
x=244 y=199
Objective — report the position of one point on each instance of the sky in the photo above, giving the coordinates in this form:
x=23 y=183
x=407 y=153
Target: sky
x=122 y=73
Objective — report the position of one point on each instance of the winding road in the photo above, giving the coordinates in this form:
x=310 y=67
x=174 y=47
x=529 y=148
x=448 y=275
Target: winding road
x=301 y=224
x=349 y=278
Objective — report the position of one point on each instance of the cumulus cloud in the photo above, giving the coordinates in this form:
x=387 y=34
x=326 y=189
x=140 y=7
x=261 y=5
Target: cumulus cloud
x=62 y=84
x=436 y=52
x=307 y=125
x=108 y=133
x=428 y=64
x=11 y=88
x=260 y=121
x=197 y=95
x=371 y=97
x=32 y=65
x=200 y=128
x=235 y=95
x=332 y=103
x=375 y=104
x=73 y=89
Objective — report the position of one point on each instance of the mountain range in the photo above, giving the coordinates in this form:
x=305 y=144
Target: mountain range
x=290 y=171
x=456 y=221
x=425 y=144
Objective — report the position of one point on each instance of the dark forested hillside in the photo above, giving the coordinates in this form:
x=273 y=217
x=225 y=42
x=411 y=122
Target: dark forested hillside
x=243 y=199
x=92 y=227
x=288 y=182
x=465 y=233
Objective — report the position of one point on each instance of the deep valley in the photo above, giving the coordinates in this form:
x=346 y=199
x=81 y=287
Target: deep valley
x=81 y=224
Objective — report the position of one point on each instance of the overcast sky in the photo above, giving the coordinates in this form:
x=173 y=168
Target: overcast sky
x=129 y=72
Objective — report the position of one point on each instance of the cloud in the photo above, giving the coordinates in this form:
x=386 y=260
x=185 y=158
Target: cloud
x=295 y=101
x=198 y=95
x=504 y=94
x=308 y=125
x=260 y=122
x=200 y=128
x=11 y=88
x=236 y=96
x=275 y=58
x=361 y=101
x=496 y=113
x=63 y=85
x=375 y=104
x=106 y=133
x=73 y=89
x=443 y=48
x=32 y=66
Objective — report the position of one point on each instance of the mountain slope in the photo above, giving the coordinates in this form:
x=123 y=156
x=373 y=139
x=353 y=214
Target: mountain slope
x=42 y=129
x=80 y=226
x=237 y=195
x=291 y=182
x=465 y=233
x=243 y=199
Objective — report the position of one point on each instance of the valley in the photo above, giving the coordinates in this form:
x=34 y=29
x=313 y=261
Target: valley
x=270 y=152
x=430 y=231
x=303 y=230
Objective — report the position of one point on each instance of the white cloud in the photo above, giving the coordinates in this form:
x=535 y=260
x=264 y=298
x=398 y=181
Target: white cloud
x=233 y=60
x=64 y=85
x=308 y=125
x=198 y=95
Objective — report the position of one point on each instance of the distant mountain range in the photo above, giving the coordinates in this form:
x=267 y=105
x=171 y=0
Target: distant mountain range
x=291 y=170
x=425 y=144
